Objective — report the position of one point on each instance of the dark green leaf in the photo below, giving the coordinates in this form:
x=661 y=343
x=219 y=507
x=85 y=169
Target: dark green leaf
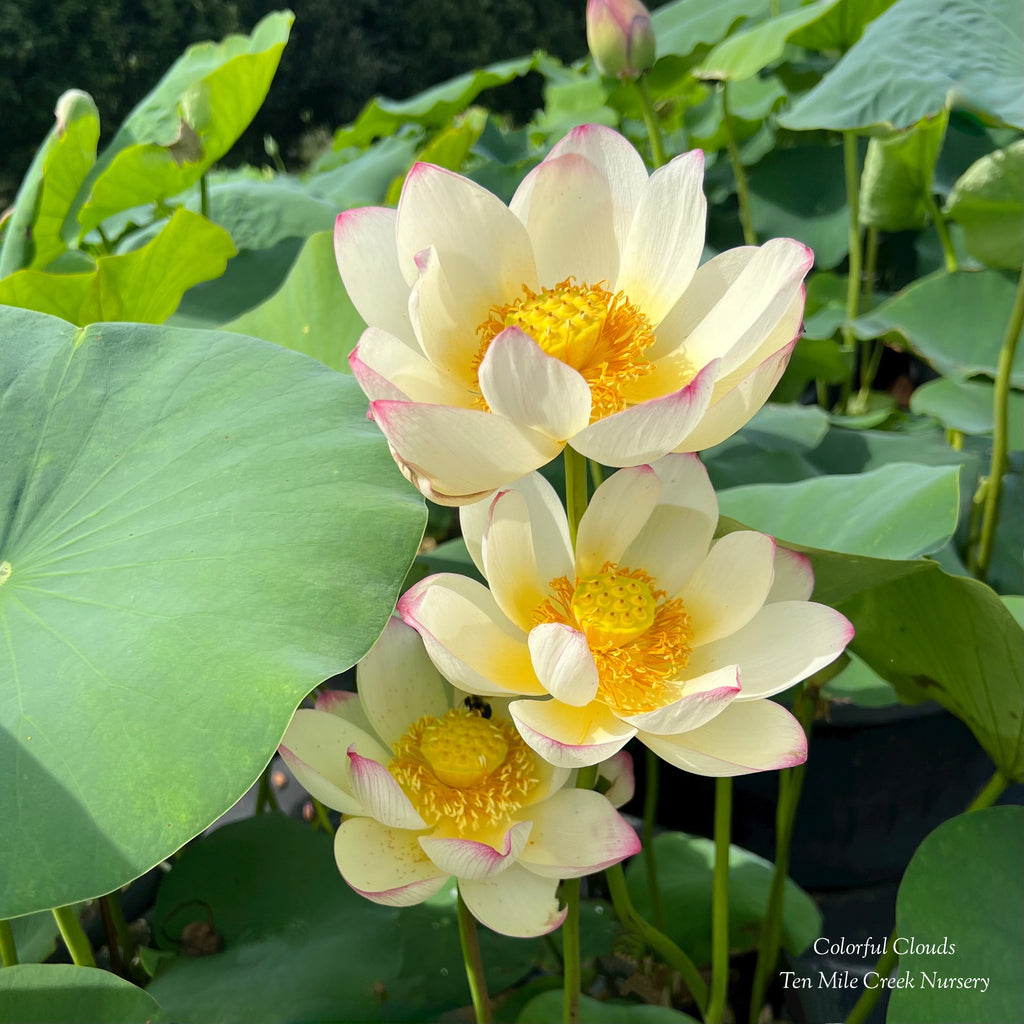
x=44 y=993
x=546 y=1008
x=968 y=406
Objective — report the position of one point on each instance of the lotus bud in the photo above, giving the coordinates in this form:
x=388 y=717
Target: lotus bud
x=620 y=37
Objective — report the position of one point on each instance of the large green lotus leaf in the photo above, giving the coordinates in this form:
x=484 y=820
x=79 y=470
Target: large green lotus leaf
x=857 y=683
x=920 y=57
x=752 y=49
x=311 y=312
x=799 y=193
x=299 y=944
x=842 y=26
x=145 y=285
x=685 y=870
x=434 y=107
x=988 y=203
x=897 y=176
x=32 y=238
x=968 y=406
x=195 y=530
x=363 y=179
x=955 y=321
x=189 y=121
x=548 y=1008
x=44 y=993
x=681 y=27
x=898 y=511
x=962 y=890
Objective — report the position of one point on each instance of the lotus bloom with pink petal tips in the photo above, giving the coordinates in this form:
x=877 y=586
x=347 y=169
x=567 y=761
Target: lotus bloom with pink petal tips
x=577 y=314
x=650 y=629
x=620 y=37
x=433 y=786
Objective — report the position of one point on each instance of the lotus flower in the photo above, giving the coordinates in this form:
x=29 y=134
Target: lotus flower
x=648 y=629
x=620 y=37
x=577 y=314
x=433 y=786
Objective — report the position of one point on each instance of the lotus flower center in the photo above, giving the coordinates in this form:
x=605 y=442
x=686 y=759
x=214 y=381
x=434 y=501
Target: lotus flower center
x=613 y=608
x=463 y=771
x=599 y=334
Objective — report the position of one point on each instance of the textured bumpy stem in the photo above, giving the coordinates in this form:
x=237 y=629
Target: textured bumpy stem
x=993 y=484
x=474 y=965
x=720 y=904
x=575 y=489
x=74 y=936
x=738 y=173
x=8 y=951
x=650 y=936
x=647 y=836
x=651 y=122
x=852 y=175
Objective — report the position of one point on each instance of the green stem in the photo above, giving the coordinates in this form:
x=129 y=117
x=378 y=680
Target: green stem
x=117 y=964
x=853 y=285
x=103 y=238
x=571 y=951
x=980 y=564
x=266 y=800
x=651 y=122
x=596 y=473
x=8 y=951
x=991 y=792
x=575 y=489
x=320 y=817
x=720 y=904
x=948 y=252
x=74 y=936
x=738 y=173
x=204 y=196
x=652 y=937
x=651 y=775
x=474 y=964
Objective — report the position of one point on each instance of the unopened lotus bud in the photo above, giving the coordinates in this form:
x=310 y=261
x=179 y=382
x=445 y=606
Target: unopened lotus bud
x=620 y=37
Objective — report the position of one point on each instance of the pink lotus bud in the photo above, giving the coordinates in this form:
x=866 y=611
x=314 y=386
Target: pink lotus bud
x=620 y=37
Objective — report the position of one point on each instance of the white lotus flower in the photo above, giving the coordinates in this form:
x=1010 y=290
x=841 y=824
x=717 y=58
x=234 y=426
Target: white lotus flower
x=430 y=789
x=649 y=629
x=577 y=314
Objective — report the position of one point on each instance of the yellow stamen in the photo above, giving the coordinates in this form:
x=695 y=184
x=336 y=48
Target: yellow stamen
x=640 y=641
x=464 y=771
x=598 y=333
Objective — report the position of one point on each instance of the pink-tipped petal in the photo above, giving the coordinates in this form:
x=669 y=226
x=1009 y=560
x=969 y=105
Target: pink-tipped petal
x=381 y=796
x=516 y=902
x=704 y=698
x=575 y=833
x=345 y=704
x=563 y=662
x=794 y=577
x=384 y=864
x=408 y=375
x=375 y=385
x=618 y=772
x=527 y=386
x=746 y=737
x=568 y=736
x=467 y=858
x=643 y=433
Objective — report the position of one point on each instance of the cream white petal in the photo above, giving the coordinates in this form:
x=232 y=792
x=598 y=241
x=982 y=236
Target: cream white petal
x=704 y=698
x=794 y=577
x=315 y=747
x=385 y=864
x=463 y=453
x=367 y=256
x=398 y=682
x=729 y=587
x=410 y=375
x=375 y=385
x=467 y=636
x=785 y=642
x=643 y=433
x=345 y=704
x=666 y=238
x=575 y=833
x=567 y=207
x=563 y=663
x=617 y=771
x=516 y=902
x=380 y=794
x=473 y=231
x=568 y=736
x=617 y=512
x=746 y=737
x=469 y=859
x=524 y=384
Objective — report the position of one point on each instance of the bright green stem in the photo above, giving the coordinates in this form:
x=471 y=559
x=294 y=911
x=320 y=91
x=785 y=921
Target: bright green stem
x=852 y=173
x=994 y=483
x=651 y=122
x=651 y=776
x=474 y=964
x=204 y=196
x=74 y=936
x=103 y=238
x=8 y=951
x=720 y=903
x=650 y=936
x=571 y=951
x=948 y=252
x=320 y=817
x=575 y=489
x=738 y=173
x=887 y=964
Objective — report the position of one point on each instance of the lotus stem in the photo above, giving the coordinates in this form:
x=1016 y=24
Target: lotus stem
x=720 y=904
x=650 y=116
x=647 y=836
x=8 y=950
x=738 y=173
x=474 y=965
x=74 y=936
x=851 y=172
x=575 y=490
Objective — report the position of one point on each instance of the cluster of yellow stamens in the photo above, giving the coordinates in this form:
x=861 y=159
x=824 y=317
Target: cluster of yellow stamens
x=598 y=333
x=464 y=771
x=640 y=641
